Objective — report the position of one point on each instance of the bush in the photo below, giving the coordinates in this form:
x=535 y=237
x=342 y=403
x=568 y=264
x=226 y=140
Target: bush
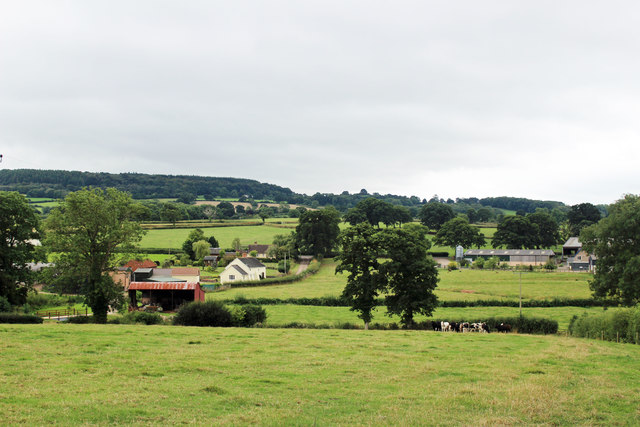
x=313 y=268
x=5 y=305
x=281 y=266
x=19 y=318
x=208 y=313
x=253 y=314
x=478 y=263
x=79 y=320
x=42 y=300
x=452 y=266
x=612 y=325
x=141 y=317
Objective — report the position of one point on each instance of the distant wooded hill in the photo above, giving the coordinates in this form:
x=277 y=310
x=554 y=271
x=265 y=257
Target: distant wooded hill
x=57 y=183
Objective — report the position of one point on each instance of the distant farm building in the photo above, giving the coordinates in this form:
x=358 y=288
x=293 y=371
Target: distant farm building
x=577 y=258
x=211 y=260
x=571 y=247
x=261 y=250
x=512 y=256
x=168 y=295
x=243 y=269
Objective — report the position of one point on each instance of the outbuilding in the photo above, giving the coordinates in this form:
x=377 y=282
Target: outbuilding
x=512 y=256
x=168 y=295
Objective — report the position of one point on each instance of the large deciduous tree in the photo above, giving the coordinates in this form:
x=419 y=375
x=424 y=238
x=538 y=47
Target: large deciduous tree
x=458 y=231
x=548 y=231
x=435 y=214
x=19 y=225
x=359 y=257
x=83 y=234
x=615 y=240
x=581 y=216
x=515 y=232
x=410 y=274
x=317 y=231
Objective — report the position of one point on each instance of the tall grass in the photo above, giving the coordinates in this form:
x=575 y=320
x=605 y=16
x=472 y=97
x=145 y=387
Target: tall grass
x=621 y=325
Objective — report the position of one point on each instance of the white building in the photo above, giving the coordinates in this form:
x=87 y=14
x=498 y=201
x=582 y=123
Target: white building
x=243 y=269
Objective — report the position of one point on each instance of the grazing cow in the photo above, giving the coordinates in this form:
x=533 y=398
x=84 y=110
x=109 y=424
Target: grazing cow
x=445 y=326
x=485 y=328
x=504 y=327
x=476 y=327
x=455 y=326
x=436 y=325
x=464 y=327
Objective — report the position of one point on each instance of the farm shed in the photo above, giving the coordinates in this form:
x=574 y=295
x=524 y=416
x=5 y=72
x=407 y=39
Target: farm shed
x=571 y=247
x=512 y=256
x=583 y=261
x=168 y=295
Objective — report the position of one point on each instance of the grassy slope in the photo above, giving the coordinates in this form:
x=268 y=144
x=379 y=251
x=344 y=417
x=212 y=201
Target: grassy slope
x=91 y=374
x=453 y=285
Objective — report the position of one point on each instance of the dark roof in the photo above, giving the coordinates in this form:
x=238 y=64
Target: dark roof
x=261 y=249
x=210 y=258
x=510 y=252
x=251 y=262
x=144 y=270
x=241 y=271
x=215 y=251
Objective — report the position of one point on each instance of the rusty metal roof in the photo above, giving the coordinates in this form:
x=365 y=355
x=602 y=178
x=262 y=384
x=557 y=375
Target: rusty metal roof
x=167 y=286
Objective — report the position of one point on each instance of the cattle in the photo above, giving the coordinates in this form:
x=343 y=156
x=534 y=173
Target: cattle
x=504 y=327
x=436 y=325
x=464 y=327
x=455 y=326
x=485 y=328
x=445 y=326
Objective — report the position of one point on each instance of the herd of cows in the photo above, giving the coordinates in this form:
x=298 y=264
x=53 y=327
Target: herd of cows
x=467 y=327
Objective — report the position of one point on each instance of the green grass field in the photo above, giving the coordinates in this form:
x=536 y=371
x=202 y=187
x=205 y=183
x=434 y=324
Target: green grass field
x=454 y=285
x=173 y=238
x=117 y=374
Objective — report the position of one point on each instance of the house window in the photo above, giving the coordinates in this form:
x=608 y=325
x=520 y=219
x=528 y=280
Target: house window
x=232 y=277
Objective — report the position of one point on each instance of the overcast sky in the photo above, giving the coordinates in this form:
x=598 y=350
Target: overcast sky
x=537 y=99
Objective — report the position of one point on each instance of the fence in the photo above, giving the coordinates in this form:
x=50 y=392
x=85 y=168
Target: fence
x=57 y=314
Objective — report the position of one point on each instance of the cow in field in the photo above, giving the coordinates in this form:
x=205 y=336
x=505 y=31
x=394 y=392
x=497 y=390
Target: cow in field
x=436 y=325
x=445 y=326
x=455 y=326
x=464 y=327
x=504 y=327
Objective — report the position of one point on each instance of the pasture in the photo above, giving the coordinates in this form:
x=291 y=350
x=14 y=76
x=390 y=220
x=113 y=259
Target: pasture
x=454 y=285
x=117 y=374
x=174 y=237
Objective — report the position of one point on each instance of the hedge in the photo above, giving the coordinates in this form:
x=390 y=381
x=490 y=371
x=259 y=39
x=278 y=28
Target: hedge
x=19 y=318
x=621 y=325
x=523 y=325
x=340 y=302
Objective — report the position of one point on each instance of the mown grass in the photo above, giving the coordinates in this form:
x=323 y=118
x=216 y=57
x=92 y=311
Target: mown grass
x=279 y=315
x=117 y=374
x=454 y=285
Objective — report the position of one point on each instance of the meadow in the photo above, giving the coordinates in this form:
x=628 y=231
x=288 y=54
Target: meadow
x=455 y=285
x=117 y=374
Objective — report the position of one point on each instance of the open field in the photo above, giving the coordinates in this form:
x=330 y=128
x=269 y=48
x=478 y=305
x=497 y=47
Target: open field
x=115 y=374
x=279 y=315
x=173 y=238
x=454 y=285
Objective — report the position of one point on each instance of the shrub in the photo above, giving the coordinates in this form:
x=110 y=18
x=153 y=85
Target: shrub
x=208 y=313
x=611 y=325
x=253 y=314
x=5 y=305
x=281 y=266
x=19 y=318
x=452 y=266
x=79 y=320
x=478 y=263
x=550 y=265
x=141 y=317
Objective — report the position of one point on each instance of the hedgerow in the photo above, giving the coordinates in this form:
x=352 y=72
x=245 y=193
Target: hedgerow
x=621 y=325
x=313 y=268
x=19 y=318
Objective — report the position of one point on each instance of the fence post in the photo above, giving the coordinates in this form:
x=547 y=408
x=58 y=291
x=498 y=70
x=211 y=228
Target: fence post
x=617 y=336
x=602 y=335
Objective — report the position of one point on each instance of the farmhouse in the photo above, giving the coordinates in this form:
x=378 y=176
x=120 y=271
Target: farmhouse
x=242 y=269
x=512 y=256
x=213 y=257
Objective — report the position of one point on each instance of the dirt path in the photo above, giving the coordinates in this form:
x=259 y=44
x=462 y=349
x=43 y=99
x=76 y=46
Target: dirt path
x=304 y=263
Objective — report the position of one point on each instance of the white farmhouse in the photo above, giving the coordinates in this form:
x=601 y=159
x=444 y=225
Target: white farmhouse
x=242 y=269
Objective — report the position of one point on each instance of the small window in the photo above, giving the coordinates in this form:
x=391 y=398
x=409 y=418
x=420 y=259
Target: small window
x=232 y=277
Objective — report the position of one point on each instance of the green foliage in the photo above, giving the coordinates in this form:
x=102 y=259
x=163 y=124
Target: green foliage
x=452 y=266
x=19 y=225
x=614 y=240
x=435 y=214
x=550 y=265
x=83 y=233
x=284 y=266
x=140 y=317
x=516 y=232
x=214 y=313
x=19 y=318
x=5 y=305
x=209 y=313
x=478 y=263
x=200 y=249
x=283 y=245
x=194 y=236
x=492 y=263
x=80 y=320
x=359 y=257
x=317 y=232
x=613 y=325
x=458 y=231
x=582 y=216
x=226 y=210
x=548 y=234
x=41 y=300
